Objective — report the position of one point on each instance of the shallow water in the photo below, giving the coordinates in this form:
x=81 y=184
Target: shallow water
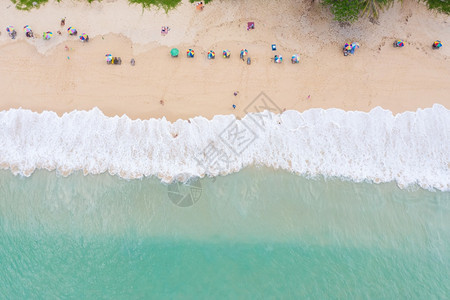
x=256 y=233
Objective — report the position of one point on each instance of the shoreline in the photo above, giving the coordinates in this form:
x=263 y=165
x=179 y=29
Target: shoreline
x=377 y=146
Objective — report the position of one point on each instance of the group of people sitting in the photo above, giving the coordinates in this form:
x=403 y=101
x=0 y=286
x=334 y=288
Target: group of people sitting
x=350 y=48
x=114 y=61
x=12 y=34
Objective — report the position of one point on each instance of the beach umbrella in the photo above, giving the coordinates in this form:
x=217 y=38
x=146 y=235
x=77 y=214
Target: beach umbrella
x=27 y=28
x=399 y=43
x=347 y=47
x=226 y=53
x=47 y=35
x=211 y=54
x=278 y=59
x=437 y=44
x=244 y=52
x=190 y=53
x=9 y=29
x=108 y=57
x=71 y=30
x=295 y=59
x=355 y=45
x=83 y=37
x=174 y=52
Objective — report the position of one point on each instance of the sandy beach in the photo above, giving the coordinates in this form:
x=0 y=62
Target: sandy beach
x=43 y=75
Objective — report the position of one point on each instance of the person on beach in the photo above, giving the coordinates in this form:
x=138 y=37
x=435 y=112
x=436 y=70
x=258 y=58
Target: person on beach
x=234 y=106
x=63 y=21
x=132 y=62
x=236 y=93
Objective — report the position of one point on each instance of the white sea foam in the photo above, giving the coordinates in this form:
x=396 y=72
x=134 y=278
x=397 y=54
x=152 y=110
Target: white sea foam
x=410 y=148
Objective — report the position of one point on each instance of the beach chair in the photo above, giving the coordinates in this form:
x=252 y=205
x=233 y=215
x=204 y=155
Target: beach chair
x=249 y=61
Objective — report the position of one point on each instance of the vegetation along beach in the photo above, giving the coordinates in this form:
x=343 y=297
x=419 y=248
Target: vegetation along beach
x=224 y=149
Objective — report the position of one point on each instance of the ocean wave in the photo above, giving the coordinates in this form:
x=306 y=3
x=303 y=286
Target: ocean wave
x=409 y=148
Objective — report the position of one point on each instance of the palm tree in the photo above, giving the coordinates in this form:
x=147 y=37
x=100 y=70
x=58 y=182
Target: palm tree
x=373 y=7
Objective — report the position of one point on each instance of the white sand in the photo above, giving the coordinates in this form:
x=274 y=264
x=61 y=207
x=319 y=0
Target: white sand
x=37 y=74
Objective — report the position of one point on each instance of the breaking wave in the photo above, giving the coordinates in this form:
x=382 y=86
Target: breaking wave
x=410 y=148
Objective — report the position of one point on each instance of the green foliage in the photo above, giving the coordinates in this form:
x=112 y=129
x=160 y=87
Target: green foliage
x=351 y=10
x=373 y=7
x=204 y=1
x=344 y=10
x=165 y=4
x=28 y=4
x=439 y=5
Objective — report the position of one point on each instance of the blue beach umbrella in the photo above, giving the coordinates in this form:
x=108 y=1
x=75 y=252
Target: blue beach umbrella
x=174 y=52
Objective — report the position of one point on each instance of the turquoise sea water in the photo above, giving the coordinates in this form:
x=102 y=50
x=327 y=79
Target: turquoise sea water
x=258 y=233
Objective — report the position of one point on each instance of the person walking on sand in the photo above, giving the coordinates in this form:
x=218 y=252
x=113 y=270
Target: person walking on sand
x=63 y=21
x=234 y=106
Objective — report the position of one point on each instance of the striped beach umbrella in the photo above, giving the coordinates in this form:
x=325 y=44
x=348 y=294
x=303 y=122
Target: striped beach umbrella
x=278 y=59
x=174 y=52
x=295 y=59
x=9 y=29
x=190 y=53
x=226 y=53
x=47 y=35
x=355 y=45
x=211 y=54
x=71 y=30
x=84 y=37
x=108 y=57
x=437 y=44
x=399 y=43
x=244 y=52
x=27 y=28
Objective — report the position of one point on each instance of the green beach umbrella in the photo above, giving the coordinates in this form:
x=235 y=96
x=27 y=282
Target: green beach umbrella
x=174 y=52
